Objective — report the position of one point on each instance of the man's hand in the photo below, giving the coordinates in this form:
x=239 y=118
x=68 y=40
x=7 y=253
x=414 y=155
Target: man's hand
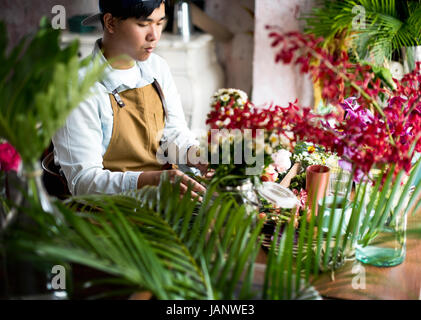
x=196 y=160
x=153 y=178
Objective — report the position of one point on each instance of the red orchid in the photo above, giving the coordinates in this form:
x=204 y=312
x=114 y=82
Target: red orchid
x=389 y=135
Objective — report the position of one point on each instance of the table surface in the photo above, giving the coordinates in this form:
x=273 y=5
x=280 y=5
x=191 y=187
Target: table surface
x=359 y=281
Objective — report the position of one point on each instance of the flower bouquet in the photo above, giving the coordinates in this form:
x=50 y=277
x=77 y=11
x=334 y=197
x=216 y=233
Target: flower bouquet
x=245 y=147
x=242 y=138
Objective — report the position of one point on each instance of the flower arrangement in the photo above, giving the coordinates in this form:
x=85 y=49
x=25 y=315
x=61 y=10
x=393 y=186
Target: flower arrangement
x=377 y=127
x=281 y=163
x=308 y=154
x=243 y=140
x=381 y=126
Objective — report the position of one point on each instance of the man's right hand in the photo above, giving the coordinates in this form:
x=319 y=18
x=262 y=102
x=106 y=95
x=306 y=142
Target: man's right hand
x=153 y=178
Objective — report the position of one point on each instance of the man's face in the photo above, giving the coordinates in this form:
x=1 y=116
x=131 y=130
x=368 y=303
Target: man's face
x=138 y=38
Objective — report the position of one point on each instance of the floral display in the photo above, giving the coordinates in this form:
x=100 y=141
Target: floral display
x=381 y=126
x=308 y=154
x=243 y=139
x=270 y=174
x=282 y=160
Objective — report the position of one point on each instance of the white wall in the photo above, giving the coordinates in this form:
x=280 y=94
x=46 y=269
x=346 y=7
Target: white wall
x=274 y=82
x=236 y=56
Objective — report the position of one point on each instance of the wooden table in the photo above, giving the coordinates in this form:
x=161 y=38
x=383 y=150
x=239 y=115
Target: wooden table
x=402 y=282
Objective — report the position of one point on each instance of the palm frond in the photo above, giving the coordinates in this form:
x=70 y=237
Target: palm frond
x=175 y=248
x=387 y=27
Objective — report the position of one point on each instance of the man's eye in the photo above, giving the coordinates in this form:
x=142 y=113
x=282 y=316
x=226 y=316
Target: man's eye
x=142 y=25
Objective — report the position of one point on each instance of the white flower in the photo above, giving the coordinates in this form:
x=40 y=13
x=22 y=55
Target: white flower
x=332 y=161
x=241 y=102
x=270 y=169
x=227 y=121
x=270 y=174
x=225 y=98
x=281 y=160
x=268 y=149
x=225 y=95
x=274 y=140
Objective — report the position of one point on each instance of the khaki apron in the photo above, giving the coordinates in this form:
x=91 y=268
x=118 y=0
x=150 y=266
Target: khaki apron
x=139 y=120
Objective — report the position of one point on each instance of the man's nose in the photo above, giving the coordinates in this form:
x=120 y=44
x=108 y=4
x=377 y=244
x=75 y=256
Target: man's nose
x=153 y=33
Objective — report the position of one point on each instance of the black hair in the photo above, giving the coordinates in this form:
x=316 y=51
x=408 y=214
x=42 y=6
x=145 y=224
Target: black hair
x=123 y=9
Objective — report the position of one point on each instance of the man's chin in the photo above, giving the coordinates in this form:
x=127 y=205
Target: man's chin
x=144 y=56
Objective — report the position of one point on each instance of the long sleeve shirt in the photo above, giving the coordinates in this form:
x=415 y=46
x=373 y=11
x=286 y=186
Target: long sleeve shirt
x=79 y=146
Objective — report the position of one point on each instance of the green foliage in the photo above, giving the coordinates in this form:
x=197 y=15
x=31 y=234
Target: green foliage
x=152 y=240
x=182 y=249
x=317 y=250
x=389 y=25
x=39 y=86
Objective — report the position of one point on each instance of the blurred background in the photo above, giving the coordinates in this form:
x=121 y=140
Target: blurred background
x=246 y=58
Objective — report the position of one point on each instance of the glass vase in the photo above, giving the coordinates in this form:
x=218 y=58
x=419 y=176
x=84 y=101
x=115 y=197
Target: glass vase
x=27 y=279
x=383 y=242
x=244 y=194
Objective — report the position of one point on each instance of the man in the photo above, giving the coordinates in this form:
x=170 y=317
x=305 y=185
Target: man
x=109 y=144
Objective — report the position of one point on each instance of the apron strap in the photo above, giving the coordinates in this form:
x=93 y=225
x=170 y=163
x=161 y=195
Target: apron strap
x=117 y=98
x=161 y=96
x=157 y=88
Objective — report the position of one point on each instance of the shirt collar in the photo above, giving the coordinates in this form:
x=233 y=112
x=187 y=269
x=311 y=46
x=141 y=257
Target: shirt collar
x=112 y=81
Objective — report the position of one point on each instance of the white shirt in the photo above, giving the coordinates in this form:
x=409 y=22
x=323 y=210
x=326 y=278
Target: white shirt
x=80 y=145
x=131 y=76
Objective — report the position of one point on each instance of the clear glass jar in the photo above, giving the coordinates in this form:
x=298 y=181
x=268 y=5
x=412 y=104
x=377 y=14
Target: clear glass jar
x=244 y=193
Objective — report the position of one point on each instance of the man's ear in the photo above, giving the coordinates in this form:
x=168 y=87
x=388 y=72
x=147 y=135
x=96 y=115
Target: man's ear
x=109 y=23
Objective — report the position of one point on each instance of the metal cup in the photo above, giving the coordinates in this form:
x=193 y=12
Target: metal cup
x=182 y=20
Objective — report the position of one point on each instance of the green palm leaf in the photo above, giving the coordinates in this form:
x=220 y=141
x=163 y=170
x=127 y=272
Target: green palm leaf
x=182 y=251
x=385 y=26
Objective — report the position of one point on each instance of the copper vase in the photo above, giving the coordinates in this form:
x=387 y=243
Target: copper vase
x=317 y=181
